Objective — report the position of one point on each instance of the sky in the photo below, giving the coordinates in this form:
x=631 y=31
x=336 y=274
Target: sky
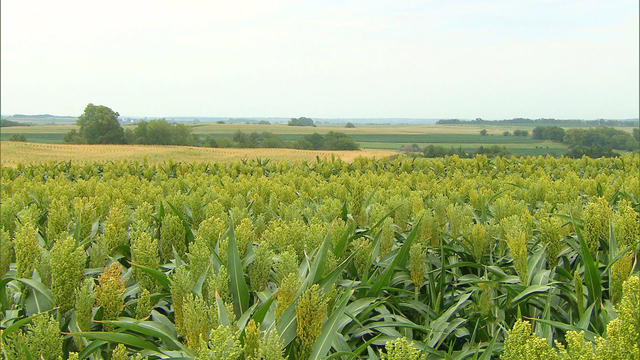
x=492 y=59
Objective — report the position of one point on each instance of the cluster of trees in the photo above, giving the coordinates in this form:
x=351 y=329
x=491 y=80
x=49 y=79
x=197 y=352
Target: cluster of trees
x=301 y=121
x=250 y=140
x=516 y=133
x=160 y=132
x=18 y=137
x=594 y=142
x=330 y=141
x=434 y=151
x=553 y=133
x=315 y=141
x=99 y=125
x=5 y=122
x=602 y=136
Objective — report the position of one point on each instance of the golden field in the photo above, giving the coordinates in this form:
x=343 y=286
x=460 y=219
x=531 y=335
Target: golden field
x=13 y=153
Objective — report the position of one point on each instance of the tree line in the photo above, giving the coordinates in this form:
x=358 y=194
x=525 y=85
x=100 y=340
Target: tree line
x=436 y=151
x=593 y=142
x=99 y=125
x=540 y=122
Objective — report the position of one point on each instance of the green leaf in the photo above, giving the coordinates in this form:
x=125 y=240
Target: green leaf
x=223 y=316
x=239 y=288
x=157 y=275
x=117 y=338
x=529 y=291
x=331 y=328
x=399 y=260
x=149 y=328
x=591 y=272
x=262 y=310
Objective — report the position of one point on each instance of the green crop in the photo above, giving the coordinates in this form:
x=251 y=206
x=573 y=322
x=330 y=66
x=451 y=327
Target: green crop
x=513 y=258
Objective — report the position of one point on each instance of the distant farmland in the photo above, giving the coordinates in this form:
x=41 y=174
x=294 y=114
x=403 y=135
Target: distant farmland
x=382 y=137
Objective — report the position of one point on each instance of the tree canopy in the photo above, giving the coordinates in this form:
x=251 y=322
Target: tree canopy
x=301 y=121
x=99 y=125
x=160 y=132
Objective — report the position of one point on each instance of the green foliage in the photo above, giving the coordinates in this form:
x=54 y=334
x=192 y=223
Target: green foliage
x=417 y=265
x=224 y=344
x=115 y=231
x=181 y=284
x=597 y=216
x=18 y=137
x=602 y=136
x=198 y=256
x=172 y=237
x=144 y=251
x=110 y=291
x=159 y=132
x=553 y=133
x=286 y=264
x=551 y=234
x=301 y=121
x=401 y=349
x=198 y=320
x=85 y=299
x=67 y=266
x=287 y=290
x=336 y=262
x=219 y=284
x=27 y=250
x=99 y=125
x=252 y=348
x=41 y=340
x=143 y=306
x=260 y=269
x=6 y=252
x=310 y=314
x=58 y=219
x=517 y=242
x=521 y=344
x=330 y=141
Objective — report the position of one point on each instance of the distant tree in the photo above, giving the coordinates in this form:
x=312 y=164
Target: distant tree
x=595 y=151
x=18 y=137
x=329 y=141
x=339 y=141
x=636 y=134
x=520 y=133
x=73 y=137
x=5 y=122
x=602 y=136
x=99 y=125
x=483 y=132
x=553 y=133
x=506 y=133
x=160 y=132
x=493 y=150
x=264 y=122
x=220 y=122
x=301 y=121
x=350 y=125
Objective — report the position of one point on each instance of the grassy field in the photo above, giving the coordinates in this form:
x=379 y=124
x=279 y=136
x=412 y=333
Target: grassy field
x=16 y=152
x=380 y=137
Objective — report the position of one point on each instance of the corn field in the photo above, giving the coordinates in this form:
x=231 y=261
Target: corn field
x=510 y=258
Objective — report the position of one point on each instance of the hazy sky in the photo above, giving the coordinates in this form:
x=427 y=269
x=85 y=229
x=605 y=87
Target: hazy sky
x=428 y=59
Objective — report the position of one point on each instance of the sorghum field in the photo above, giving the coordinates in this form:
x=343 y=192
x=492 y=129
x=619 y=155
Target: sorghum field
x=511 y=258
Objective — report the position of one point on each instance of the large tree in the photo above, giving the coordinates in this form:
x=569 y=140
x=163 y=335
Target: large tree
x=99 y=125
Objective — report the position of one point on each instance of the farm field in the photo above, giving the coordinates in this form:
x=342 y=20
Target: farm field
x=21 y=152
x=387 y=137
x=396 y=259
